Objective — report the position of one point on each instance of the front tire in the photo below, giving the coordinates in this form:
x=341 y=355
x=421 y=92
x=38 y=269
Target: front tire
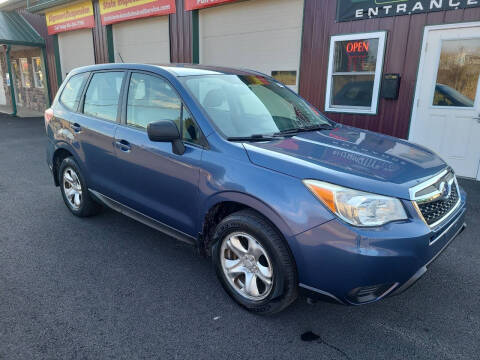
x=254 y=263
x=75 y=191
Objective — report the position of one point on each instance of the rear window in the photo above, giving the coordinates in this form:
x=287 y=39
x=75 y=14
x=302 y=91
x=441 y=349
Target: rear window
x=103 y=95
x=72 y=91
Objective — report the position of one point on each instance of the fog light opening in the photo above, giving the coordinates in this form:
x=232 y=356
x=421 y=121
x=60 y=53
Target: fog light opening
x=366 y=294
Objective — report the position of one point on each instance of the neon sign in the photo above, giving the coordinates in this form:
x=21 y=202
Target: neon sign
x=357 y=46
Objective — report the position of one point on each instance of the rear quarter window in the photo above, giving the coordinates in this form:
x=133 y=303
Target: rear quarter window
x=70 y=97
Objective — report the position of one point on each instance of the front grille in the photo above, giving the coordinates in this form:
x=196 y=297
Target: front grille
x=433 y=211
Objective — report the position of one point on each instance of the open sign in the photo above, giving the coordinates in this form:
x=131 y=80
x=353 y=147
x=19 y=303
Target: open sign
x=357 y=46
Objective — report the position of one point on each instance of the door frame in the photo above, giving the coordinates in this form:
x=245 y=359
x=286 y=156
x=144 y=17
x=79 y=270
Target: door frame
x=421 y=65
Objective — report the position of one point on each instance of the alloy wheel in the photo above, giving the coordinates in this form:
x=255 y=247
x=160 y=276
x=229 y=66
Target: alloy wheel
x=72 y=188
x=247 y=266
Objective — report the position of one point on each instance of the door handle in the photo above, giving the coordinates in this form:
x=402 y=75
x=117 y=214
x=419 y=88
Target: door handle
x=76 y=127
x=477 y=118
x=123 y=145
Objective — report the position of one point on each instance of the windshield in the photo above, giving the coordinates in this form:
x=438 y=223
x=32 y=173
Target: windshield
x=246 y=105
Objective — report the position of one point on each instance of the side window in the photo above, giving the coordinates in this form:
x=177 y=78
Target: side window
x=72 y=91
x=191 y=131
x=151 y=99
x=102 y=96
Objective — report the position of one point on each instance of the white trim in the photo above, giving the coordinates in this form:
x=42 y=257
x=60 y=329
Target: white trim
x=381 y=35
x=421 y=65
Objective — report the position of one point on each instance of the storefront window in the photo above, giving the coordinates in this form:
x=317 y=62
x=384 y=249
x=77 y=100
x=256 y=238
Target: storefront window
x=37 y=72
x=16 y=71
x=355 y=67
x=25 y=73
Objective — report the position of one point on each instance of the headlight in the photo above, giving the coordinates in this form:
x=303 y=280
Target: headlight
x=357 y=207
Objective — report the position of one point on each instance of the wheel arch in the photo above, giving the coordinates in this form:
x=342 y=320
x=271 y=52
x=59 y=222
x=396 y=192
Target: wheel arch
x=223 y=204
x=61 y=152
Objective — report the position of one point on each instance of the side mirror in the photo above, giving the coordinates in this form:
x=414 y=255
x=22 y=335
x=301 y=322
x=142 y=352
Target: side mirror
x=166 y=131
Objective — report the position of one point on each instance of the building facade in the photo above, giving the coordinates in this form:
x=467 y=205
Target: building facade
x=407 y=68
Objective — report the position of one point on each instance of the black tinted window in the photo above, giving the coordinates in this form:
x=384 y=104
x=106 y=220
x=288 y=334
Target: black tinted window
x=102 y=96
x=191 y=131
x=72 y=91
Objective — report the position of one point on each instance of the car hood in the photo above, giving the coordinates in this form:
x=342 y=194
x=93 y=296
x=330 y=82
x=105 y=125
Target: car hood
x=350 y=157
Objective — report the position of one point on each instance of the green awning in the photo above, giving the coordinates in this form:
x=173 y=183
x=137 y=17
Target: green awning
x=15 y=30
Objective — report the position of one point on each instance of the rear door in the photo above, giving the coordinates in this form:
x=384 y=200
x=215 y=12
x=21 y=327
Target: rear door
x=150 y=178
x=95 y=126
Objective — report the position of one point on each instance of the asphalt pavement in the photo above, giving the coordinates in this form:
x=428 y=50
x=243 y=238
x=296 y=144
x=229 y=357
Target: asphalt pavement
x=111 y=288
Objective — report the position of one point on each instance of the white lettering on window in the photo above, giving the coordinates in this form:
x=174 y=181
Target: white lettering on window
x=452 y=4
x=359 y=13
x=387 y=8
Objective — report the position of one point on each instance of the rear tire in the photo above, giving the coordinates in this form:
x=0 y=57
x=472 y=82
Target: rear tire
x=75 y=191
x=254 y=264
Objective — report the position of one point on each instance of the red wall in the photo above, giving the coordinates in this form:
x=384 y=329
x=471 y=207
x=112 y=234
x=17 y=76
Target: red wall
x=403 y=44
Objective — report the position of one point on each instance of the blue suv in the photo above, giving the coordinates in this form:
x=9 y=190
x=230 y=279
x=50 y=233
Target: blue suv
x=232 y=161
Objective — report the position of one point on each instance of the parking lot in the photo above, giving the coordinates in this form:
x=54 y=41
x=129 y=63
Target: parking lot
x=109 y=287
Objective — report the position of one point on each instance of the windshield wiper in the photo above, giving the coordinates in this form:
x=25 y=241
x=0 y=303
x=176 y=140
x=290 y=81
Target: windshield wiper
x=304 y=129
x=254 y=137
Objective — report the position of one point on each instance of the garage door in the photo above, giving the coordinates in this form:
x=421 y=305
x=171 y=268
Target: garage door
x=76 y=49
x=263 y=35
x=143 y=41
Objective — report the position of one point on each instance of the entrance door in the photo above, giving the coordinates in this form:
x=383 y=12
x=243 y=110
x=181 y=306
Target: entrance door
x=447 y=114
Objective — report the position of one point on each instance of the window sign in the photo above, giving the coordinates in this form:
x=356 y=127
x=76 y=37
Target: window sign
x=37 y=72
x=25 y=73
x=354 y=71
x=348 y=10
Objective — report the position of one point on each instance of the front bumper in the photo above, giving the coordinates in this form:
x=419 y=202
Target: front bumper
x=361 y=265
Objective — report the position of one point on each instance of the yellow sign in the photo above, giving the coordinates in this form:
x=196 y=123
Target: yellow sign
x=69 y=13
x=112 y=11
x=108 y=6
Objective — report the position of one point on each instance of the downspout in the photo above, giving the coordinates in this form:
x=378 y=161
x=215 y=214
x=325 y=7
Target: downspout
x=12 y=87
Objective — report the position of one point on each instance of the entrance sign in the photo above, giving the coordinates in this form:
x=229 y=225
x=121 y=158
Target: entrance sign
x=77 y=16
x=348 y=10
x=113 y=11
x=198 y=4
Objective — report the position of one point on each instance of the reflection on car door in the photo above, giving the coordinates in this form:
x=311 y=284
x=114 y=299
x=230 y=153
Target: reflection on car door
x=150 y=177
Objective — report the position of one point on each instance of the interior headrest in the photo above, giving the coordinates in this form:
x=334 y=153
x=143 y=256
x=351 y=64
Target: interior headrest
x=214 y=98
